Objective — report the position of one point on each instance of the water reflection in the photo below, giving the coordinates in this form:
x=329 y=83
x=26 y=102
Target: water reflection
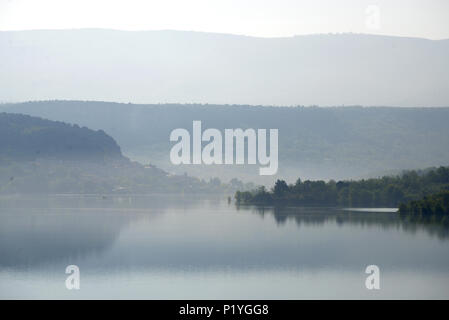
x=370 y=218
x=47 y=229
x=209 y=243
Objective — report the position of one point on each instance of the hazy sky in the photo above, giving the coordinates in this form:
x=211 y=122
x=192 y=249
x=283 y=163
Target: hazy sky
x=265 y=18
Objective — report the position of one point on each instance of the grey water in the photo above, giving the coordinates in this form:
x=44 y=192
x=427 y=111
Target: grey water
x=198 y=247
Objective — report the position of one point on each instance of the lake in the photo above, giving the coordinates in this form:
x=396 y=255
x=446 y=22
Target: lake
x=198 y=247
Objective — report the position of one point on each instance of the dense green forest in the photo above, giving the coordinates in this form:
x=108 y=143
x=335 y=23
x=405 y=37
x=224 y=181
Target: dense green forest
x=388 y=191
x=314 y=142
x=435 y=205
x=43 y=156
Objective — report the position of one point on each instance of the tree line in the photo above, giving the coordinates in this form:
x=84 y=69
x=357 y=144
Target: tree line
x=432 y=205
x=388 y=191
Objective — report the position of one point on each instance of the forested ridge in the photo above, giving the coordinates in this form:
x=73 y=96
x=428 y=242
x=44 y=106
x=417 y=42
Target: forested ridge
x=26 y=138
x=314 y=142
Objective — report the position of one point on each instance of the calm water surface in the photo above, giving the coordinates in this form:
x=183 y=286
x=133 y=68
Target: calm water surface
x=174 y=247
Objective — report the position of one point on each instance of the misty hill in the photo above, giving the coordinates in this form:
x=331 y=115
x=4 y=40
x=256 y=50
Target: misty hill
x=23 y=137
x=43 y=156
x=178 y=66
x=314 y=143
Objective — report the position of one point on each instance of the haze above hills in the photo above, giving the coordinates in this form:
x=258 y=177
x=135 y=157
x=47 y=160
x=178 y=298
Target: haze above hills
x=180 y=66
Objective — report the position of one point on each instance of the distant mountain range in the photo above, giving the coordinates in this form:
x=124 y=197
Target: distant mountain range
x=314 y=143
x=194 y=67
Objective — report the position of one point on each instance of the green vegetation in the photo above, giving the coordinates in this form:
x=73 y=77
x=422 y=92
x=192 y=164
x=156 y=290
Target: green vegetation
x=388 y=191
x=432 y=205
